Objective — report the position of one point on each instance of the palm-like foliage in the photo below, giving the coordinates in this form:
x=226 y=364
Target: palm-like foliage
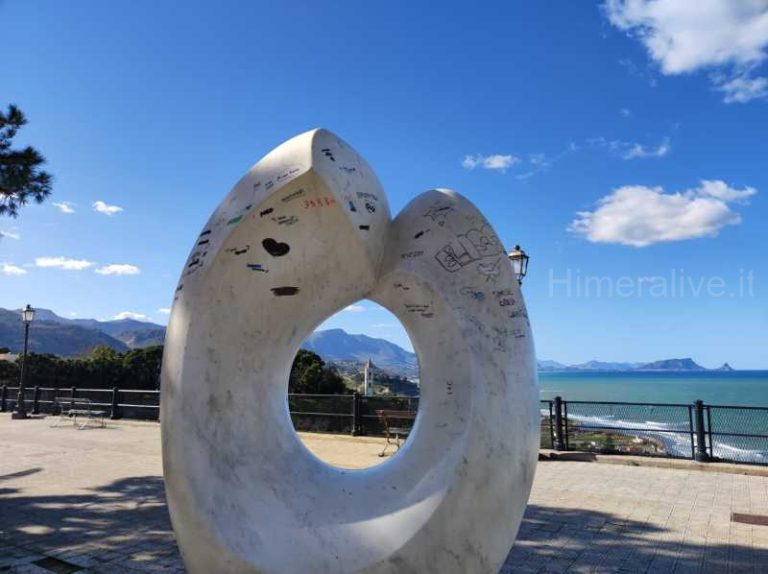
x=21 y=179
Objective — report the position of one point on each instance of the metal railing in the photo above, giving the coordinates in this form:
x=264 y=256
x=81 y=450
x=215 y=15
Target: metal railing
x=697 y=431
x=121 y=403
x=352 y=414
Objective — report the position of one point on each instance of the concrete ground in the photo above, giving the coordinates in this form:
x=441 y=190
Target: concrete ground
x=92 y=501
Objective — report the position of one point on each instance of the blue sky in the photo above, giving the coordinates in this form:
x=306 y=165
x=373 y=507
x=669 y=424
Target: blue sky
x=622 y=144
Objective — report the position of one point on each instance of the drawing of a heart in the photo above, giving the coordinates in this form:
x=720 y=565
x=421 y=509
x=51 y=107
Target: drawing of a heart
x=275 y=248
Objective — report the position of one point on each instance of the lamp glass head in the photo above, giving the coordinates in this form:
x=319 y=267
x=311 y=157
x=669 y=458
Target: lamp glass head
x=27 y=314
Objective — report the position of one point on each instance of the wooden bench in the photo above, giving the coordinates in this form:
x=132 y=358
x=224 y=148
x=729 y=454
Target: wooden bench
x=397 y=425
x=72 y=408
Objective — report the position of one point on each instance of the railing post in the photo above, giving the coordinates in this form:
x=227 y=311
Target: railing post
x=559 y=426
x=3 y=398
x=355 y=413
x=72 y=403
x=115 y=403
x=36 y=401
x=701 y=437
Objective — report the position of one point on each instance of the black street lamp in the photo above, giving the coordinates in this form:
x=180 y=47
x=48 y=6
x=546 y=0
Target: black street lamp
x=519 y=259
x=27 y=315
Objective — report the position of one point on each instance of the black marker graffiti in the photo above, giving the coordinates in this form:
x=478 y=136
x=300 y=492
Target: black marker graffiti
x=419 y=309
x=505 y=297
x=285 y=219
x=369 y=207
x=206 y=232
x=266 y=212
x=420 y=233
x=238 y=250
x=275 y=248
x=464 y=249
x=490 y=270
x=287 y=173
x=352 y=207
x=293 y=195
x=364 y=227
x=284 y=291
x=203 y=242
x=256 y=267
x=476 y=295
x=438 y=213
x=328 y=154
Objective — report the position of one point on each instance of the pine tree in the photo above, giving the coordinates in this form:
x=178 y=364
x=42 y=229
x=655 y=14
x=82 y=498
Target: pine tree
x=21 y=178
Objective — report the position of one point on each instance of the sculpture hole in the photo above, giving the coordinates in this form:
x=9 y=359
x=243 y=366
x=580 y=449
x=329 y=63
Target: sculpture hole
x=354 y=387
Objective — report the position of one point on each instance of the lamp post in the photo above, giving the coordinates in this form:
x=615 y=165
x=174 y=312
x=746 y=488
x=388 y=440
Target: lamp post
x=519 y=259
x=27 y=315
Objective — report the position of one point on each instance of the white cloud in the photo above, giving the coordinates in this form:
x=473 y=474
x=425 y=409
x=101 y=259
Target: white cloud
x=10 y=269
x=106 y=209
x=355 y=309
x=682 y=36
x=742 y=89
x=640 y=216
x=10 y=235
x=495 y=162
x=118 y=269
x=164 y=311
x=63 y=263
x=625 y=112
x=636 y=150
x=131 y=315
x=64 y=206
x=631 y=150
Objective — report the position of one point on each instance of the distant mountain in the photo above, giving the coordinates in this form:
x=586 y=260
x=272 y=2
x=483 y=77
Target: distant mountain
x=142 y=338
x=113 y=328
x=47 y=336
x=51 y=333
x=686 y=364
x=603 y=366
x=546 y=365
x=338 y=345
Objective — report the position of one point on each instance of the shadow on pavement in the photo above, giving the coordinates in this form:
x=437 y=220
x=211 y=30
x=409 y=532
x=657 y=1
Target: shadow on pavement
x=124 y=527
x=574 y=540
x=120 y=527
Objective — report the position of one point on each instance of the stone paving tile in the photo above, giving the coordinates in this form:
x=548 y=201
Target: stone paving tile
x=96 y=499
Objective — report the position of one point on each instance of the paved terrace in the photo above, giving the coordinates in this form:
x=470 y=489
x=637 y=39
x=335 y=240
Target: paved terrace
x=92 y=501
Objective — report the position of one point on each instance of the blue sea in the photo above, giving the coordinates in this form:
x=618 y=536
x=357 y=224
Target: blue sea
x=742 y=388
x=735 y=389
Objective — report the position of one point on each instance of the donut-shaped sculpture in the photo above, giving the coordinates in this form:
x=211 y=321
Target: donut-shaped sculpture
x=305 y=233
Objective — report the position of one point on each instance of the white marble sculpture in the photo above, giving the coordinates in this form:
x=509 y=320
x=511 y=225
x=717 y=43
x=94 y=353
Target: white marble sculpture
x=305 y=233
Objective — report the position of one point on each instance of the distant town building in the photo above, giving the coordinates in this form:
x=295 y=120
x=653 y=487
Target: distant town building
x=368 y=378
